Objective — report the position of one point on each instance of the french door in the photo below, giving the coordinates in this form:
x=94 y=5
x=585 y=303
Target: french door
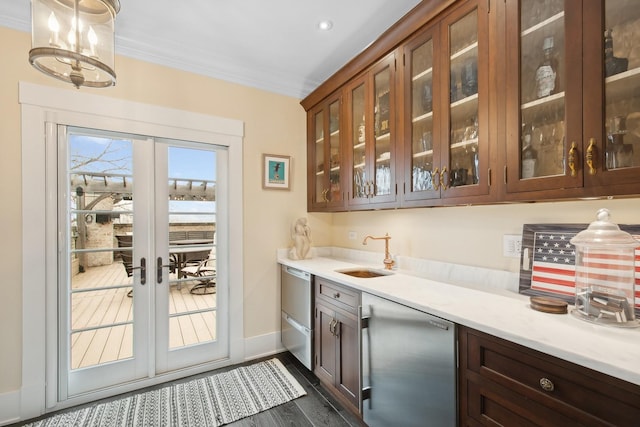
x=143 y=283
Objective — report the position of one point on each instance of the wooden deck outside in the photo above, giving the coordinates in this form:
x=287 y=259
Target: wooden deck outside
x=106 y=307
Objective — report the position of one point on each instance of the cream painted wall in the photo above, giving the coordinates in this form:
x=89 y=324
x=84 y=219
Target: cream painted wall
x=274 y=124
x=470 y=235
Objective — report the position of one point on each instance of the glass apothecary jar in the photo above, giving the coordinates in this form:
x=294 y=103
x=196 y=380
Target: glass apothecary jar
x=605 y=274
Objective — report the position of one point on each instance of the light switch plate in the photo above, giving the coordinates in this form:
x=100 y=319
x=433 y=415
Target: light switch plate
x=512 y=245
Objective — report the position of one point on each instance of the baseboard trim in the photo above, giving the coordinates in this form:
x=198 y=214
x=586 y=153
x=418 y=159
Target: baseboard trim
x=9 y=407
x=262 y=346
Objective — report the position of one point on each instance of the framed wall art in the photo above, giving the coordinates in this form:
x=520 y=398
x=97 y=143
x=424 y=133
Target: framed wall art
x=276 y=172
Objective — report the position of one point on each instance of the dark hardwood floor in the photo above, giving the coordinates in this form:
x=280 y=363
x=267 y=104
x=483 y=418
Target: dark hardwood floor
x=317 y=408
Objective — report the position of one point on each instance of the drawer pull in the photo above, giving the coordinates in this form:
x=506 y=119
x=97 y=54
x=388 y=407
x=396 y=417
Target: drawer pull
x=546 y=384
x=336 y=295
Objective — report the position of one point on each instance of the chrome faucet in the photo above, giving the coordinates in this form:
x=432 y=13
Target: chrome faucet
x=388 y=262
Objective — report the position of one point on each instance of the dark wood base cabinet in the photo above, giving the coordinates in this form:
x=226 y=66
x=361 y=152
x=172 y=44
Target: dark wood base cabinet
x=337 y=354
x=505 y=384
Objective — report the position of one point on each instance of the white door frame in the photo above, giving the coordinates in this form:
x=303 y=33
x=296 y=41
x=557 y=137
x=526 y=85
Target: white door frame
x=41 y=105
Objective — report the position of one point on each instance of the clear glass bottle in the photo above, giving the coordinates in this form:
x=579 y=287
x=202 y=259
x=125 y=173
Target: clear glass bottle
x=547 y=72
x=612 y=65
x=362 y=131
x=529 y=154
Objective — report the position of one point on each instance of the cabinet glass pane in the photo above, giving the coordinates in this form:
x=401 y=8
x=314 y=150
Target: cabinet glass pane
x=542 y=83
x=358 y=139
x=622 y=83
x=319 y=156
x=382 y=111
x=422 y=117
x=335 y=192
x=463 y=164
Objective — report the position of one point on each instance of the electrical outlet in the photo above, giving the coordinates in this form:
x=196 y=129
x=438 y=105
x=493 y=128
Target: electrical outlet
x=511 y=245
x=353 y=235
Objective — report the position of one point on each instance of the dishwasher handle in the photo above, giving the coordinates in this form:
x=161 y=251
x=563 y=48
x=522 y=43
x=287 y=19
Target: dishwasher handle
x=298 y=273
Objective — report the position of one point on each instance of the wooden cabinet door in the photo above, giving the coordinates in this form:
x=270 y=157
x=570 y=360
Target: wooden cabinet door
x=464 y=79
x=544 y=95
x=324 y=156
x=348 y=357
x=612 y=115
x=371 y=112
x=420 y=124
x=325 y=366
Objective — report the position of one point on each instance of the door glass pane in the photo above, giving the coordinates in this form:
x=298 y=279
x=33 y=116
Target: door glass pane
x=335 y=192
x=382 y=128
x=542 y=85
x=622 y=83
x=192 y=249
x=463 y=142
x=319 y=155
x=100 y=255
x=358 y=138
x=422 y=117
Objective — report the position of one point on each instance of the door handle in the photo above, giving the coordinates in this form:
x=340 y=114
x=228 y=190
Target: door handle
x=143 y=271
x=160 y=267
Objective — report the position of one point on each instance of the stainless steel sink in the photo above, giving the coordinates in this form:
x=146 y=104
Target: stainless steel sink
x=364 y=273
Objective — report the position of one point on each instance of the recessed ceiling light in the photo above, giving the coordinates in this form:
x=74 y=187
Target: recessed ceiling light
x=325 y=25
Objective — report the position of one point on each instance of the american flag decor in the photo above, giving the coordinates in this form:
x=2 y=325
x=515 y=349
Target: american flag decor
x=553 y=268
x=554 y=263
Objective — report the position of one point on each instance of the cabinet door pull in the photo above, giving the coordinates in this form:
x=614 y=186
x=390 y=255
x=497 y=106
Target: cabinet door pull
x=436 y=182
x=573 y=153
x=546 y=384
x=332 y=326
x=591 y=155
x=443 y=180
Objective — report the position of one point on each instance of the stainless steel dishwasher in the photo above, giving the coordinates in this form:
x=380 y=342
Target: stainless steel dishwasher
x=408 y=366
x=296 y=301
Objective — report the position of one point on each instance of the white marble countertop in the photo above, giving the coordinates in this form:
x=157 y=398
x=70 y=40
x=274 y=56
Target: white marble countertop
x=503 y=313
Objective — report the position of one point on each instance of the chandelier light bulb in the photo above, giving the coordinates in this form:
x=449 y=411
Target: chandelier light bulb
x=54 y=26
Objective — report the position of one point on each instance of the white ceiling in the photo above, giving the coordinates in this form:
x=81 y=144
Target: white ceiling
x=269 y=44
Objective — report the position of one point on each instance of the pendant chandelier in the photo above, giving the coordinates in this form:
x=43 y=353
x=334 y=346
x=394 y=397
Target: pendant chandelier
x=73 y=40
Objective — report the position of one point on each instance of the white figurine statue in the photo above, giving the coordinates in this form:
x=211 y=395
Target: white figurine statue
x=301 y=236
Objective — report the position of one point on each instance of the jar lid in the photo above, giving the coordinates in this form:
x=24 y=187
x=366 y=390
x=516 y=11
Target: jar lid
x=603 y=232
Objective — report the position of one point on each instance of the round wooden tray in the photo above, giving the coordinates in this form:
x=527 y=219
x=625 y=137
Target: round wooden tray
x=548 y=305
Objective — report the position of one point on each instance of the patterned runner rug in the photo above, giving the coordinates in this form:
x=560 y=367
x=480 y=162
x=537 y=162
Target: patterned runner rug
x=211 y=401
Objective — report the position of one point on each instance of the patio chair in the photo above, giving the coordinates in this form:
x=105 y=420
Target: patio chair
x=204 y=272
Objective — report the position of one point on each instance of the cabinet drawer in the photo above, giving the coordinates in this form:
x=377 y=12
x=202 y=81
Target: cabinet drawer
x=338 y=295
x=539 y=379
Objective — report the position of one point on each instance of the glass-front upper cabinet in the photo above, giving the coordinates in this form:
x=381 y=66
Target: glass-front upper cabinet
x=464 y=163
x=572 y=93
x=421 y=158
x=325 y=157
x=372 y=134
x=539 y=115
x=612 y=123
